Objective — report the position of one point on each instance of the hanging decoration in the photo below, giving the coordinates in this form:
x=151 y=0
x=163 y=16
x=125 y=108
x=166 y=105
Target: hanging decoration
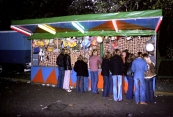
x=94 y=41
x=99 y=39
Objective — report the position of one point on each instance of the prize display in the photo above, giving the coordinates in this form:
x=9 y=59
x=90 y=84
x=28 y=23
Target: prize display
x=48 y=49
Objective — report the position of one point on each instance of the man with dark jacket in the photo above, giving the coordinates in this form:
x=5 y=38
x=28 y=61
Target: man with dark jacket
x=60 y=63
x=116 y=68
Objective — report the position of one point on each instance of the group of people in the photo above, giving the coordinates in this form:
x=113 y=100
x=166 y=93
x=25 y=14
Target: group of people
x=65 y=69
x=139 y=71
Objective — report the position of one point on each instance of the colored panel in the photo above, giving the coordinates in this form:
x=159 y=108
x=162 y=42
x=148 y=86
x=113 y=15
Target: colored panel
x=72 y=83
x=34 y=71
x=38 y=77
x=57 y=72
x=73 y=77
x=46 y=72
x=150 y=23
x=125 y=85
x=52 y=78
x=127 y=26
x=104 y=26
x=100 y=80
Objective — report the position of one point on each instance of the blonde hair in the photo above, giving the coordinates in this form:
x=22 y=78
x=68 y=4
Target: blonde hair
x=66 y=51
x=85 y=60
x=80 y=57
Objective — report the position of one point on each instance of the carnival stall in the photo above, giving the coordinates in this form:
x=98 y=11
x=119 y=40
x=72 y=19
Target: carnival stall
x=135 y=31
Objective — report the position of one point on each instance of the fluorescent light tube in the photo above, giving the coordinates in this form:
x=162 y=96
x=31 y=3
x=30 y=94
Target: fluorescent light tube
x=21 y=30
x=78 y=26
x=47 y=28
x=115 y=25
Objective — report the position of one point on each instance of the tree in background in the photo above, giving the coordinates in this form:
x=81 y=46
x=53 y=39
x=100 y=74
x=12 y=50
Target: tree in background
x=110 y=6
x=27 y=9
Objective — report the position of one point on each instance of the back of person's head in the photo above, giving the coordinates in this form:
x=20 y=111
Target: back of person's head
x=139 y=54
x=62 y=51
x=107 y=55
x=116 y=51
x=147 y=58
x=130 y=58
x=66 y=51
x=80 y=57
x=145 y=55
x=85 y=60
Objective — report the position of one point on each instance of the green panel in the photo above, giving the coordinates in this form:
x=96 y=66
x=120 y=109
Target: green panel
x=92 y=17
x=93 y=33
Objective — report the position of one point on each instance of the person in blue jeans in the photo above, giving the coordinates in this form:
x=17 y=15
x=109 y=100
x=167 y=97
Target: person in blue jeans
x=79 y=69
x=139 y=67
x=129 y=60
x=93 y=63
x=60 y=63
x=117 y=68
x=105 y=73
x=149 y=76
x=86 y=74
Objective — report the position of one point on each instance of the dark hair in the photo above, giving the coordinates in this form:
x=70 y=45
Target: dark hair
x=94 y=50
x=107 y=55
x=145 y=55
x=115 y=51
x=139 y=54
x=130 y=58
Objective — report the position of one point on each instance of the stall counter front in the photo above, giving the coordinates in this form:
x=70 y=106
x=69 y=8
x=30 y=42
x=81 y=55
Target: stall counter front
x=49 y=75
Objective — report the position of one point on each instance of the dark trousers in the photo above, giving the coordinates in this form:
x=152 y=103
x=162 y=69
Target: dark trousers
x=129 y=94
x=61 y=77
x=80 y=84
x=149 y=90
x=105 y=86
x=110 y=85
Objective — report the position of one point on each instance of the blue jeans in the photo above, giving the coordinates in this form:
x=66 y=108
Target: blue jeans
x=117 y=87
x=149 y=90
x=94 y=81
x=129 y=94
x=110 y=85
x=86 y=83
x=80 y=84
x=139 y=89
x=105 y=86
x=61 y=77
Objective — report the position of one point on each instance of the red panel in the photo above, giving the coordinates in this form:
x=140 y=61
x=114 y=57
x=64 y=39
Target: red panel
x=38 y=77
x=52 y=78
x=100 y=81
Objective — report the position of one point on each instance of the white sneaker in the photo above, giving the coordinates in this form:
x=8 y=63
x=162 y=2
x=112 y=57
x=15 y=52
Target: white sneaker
x=69 y=90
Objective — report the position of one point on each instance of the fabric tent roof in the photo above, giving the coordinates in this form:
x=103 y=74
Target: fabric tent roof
x=133 y=23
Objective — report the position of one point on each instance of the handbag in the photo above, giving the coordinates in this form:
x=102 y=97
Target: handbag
x=129 y=71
